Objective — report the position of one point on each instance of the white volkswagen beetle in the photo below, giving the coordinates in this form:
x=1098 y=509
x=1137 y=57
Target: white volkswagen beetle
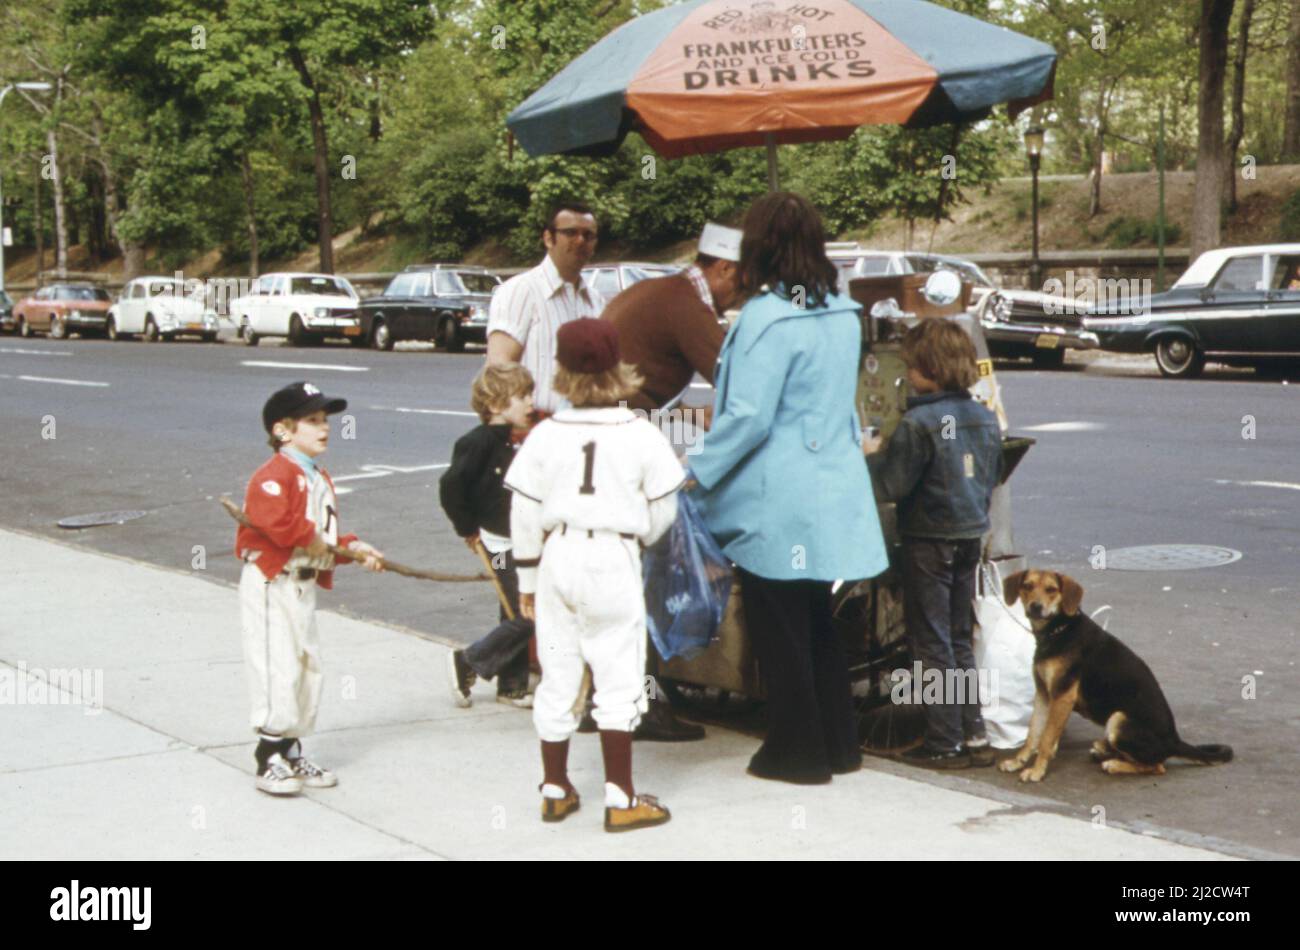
x=303 y=307
x=158 y=308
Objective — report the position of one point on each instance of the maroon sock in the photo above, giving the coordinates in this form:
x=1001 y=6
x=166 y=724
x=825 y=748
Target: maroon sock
x=616 y=748
x=555 y=764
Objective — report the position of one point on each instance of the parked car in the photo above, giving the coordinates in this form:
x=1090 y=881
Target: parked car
x=1239 y=306
x=443 y=303
x=158 y=308
x=305 y=308
x=612 y=279
x=64 y=308
x=6 y=311
x=1016 y=323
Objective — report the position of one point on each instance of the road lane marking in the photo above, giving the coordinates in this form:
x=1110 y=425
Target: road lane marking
x=271 y=364
x=15 y=349
x=383 y=471
x=1290 y=486
x=61 y=382
x=1064 y=427
x=424 y=412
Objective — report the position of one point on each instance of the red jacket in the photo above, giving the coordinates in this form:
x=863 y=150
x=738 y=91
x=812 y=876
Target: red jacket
x=281 y=519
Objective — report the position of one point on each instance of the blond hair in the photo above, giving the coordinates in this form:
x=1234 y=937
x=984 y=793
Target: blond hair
x=941 y=351
x=495 y=385
x=609 y=388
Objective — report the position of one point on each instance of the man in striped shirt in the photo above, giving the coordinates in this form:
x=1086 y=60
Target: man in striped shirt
x=529 y=309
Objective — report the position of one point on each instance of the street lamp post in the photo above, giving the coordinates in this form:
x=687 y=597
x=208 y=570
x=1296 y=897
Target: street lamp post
x=1034 y=146
x=30 y=87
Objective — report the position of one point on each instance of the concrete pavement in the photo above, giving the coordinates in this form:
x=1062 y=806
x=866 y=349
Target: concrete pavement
x=157 y=760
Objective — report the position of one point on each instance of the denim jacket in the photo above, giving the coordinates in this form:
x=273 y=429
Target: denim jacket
x=941 y=466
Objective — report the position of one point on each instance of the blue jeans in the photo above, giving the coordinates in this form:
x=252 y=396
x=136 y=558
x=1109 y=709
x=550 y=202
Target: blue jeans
x=504 y=651
x=938 y=607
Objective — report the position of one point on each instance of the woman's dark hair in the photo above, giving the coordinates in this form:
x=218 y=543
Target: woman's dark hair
x=784 y=243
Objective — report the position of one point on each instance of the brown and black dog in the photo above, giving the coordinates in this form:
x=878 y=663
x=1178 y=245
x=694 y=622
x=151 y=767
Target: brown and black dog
x=1079 y=667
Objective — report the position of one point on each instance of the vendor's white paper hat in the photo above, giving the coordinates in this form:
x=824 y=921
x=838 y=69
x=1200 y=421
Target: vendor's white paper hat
x=720 y=242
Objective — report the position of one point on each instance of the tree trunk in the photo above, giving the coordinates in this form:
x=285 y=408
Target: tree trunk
x=1238 y=102
x=60 y=221
x=40 y=229
x=325 y=218
x=132 y=251
x=1291 y=133
x=1098 y=154
x=376 y=126
x=1207 y=209
x=250 y=211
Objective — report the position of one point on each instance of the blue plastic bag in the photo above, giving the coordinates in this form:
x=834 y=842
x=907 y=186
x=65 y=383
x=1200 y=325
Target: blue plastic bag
x=687 y=581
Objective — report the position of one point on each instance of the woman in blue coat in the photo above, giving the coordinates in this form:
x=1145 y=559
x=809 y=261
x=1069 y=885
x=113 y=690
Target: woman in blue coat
x=783 y=487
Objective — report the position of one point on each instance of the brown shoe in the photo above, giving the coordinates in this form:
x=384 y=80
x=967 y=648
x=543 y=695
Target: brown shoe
x=558 y=809
x=645 y=811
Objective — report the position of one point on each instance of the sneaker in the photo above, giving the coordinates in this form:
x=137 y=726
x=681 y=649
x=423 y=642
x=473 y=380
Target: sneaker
x=644 y=813
x=929 y=759
x=980 y=752
x=519 y=698
x=278 y=777
x=461 y=677
x=312 y=775
x=558 y=809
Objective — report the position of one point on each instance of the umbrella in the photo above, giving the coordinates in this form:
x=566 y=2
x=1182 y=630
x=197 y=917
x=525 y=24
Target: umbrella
x=710 y=75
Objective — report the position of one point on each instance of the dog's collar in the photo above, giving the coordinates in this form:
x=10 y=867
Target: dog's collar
x=1058 y=622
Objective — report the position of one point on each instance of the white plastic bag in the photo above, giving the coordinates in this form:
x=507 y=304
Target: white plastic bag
x=1004 y=655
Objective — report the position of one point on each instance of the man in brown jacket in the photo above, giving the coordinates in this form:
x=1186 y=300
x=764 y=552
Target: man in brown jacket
x=668 y=328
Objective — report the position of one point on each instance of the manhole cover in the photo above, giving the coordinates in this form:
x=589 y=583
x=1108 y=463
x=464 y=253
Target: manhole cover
x=101 y=518
x=1169 y=557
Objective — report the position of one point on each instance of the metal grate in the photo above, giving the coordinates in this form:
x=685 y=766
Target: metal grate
x=101 y=518
x=1169 y=557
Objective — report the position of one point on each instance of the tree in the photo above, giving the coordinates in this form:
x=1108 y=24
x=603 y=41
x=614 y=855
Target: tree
x=1211 y=160
x=1238 y=100
x=1291 y=128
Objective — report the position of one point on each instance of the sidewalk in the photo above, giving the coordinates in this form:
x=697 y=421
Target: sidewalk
x=164 y=769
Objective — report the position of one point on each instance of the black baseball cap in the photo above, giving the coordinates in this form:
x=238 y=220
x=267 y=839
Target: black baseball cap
x=296 y=401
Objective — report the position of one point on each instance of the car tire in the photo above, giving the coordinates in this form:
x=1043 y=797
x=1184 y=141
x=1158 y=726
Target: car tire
x=246 y=331
x=449 y=337
x=381 y=337
x=1048 y=359
x=58 y=328
x=209 y=338
x=110 y=331
x=296 y=335
x=1179 y=358
x=24 y=328
x=151 y=334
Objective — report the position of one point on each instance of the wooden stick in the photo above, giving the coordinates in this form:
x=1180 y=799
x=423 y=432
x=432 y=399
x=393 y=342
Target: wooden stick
x=496 y=581
x=343 y=553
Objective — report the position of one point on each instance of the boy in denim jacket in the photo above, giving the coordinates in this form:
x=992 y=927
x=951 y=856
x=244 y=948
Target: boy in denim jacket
x=941 y=467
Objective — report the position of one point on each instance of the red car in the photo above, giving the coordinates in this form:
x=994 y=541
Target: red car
x=63 y=309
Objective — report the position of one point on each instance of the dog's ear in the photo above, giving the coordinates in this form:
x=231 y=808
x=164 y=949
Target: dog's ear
x=1011 y=587
x=1071 y=594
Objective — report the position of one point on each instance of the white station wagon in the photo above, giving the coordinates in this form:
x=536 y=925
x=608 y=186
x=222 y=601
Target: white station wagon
x=306 y=308
x=158 y=308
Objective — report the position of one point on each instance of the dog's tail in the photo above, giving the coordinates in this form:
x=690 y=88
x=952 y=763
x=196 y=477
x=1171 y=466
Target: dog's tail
x=1204 y=753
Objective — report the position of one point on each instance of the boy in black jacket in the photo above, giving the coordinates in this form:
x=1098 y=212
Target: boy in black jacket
x=941 y=466
x=478 y=505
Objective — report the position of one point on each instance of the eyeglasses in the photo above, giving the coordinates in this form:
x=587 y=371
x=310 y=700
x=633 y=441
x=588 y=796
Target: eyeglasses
x=585 y=233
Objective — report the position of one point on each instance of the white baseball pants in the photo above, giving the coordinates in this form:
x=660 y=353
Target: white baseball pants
x=281 y=652
x=590 y=609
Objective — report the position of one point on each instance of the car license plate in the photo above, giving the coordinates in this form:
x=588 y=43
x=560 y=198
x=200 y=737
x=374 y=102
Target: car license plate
x=1047 y=341
x=351 y=331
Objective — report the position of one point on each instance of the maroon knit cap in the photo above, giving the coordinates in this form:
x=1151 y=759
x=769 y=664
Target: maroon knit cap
x=587 y=346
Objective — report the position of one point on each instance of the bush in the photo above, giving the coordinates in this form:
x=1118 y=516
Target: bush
x=1288 y=228
x=1125 y=231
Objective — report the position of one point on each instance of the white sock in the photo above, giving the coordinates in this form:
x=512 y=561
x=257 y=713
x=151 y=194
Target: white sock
x=553 y=791
x=615 y=797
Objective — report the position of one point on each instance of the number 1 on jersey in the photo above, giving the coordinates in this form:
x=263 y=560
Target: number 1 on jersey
x=588 y=488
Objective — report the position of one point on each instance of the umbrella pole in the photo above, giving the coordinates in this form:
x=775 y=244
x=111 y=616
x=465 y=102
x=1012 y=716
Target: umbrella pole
x=773 y=172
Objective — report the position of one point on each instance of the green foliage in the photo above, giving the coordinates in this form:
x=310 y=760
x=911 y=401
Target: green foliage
x=1124 y=232
x=1288 y=228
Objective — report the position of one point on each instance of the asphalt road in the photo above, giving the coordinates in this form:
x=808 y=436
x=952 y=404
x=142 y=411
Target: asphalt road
x=1124 y=458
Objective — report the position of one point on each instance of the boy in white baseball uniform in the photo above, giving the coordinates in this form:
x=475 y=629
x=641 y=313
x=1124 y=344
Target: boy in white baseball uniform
x=291 y=503
x=591 y=484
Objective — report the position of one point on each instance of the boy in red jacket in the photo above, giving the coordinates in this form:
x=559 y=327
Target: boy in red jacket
x=291 y=503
